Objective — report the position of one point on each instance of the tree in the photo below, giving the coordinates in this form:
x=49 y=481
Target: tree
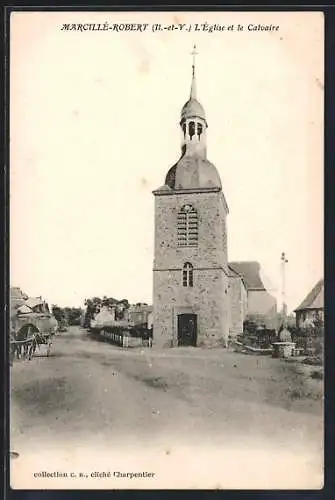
x=69 y=315
x=58 y=313
x=92 y=308
x=73 y=315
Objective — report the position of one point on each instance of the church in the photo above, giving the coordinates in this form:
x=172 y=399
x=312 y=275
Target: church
x=199 y=299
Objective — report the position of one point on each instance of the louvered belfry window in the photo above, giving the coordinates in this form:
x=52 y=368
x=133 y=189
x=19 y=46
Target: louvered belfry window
x=187 y=227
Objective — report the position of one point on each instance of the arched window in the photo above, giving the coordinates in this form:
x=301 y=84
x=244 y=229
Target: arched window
x=191 y=129
x=188 y=274
x=187 y=227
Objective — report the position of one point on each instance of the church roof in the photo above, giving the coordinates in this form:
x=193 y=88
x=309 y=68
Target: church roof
x=192 y=172
x=164 y=188
x=192 y=108
x=233 y=273
x=315 y=298
x=250 y=272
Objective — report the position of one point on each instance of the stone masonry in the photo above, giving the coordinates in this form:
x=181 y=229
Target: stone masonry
x=208 y=298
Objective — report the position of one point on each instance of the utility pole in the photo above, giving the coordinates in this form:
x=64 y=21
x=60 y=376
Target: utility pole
x=284 y=261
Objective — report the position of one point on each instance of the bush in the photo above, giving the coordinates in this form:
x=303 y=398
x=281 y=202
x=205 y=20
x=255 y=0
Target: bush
x=313 y=361
x=317 y=345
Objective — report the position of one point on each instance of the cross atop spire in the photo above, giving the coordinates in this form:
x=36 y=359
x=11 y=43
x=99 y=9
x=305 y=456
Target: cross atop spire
x=193 y=85
x=194 y=53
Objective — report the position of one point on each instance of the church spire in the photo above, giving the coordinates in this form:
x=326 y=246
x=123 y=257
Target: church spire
x=193 y=94
x=192 y=108
x=193 y=121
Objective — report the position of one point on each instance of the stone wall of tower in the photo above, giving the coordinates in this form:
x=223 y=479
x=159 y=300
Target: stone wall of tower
x=212 y=232
x=208 y=298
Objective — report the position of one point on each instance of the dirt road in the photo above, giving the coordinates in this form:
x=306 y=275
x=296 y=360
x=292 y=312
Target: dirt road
x=90 y=395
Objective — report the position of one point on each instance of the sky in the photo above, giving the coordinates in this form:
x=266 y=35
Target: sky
x=94 y=128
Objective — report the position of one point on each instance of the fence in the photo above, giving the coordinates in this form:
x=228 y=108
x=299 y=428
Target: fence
x=309 y=344
x=124 y=338
x=262 y=341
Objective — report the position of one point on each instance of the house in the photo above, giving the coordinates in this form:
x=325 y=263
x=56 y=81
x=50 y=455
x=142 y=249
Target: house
x=105 y=317
x=312 y=307
x=37 y=304
x=258 y=304
x=238 y=297
x=17 y=297
x=140 y=314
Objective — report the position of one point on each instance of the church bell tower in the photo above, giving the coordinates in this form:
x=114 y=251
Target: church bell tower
x=190 y=272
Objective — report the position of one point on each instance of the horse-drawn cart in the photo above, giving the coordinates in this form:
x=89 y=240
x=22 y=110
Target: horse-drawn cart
x=31 y=325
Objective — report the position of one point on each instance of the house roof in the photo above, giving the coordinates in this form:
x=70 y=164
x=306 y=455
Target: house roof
x=315 y=298
x=24 y=309
x=250 y=272
x=141 y=308
x=33 y=302
x=234 y=274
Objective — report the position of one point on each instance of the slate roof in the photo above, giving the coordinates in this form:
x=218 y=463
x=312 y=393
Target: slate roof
x=315 y=298
x=24 y=309
x=33 y=302
x=192 y=171
x=250 y=272
x=192 y=108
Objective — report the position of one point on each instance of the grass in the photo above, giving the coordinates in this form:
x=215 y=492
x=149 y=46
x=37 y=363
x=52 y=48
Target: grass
x=302 y=383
